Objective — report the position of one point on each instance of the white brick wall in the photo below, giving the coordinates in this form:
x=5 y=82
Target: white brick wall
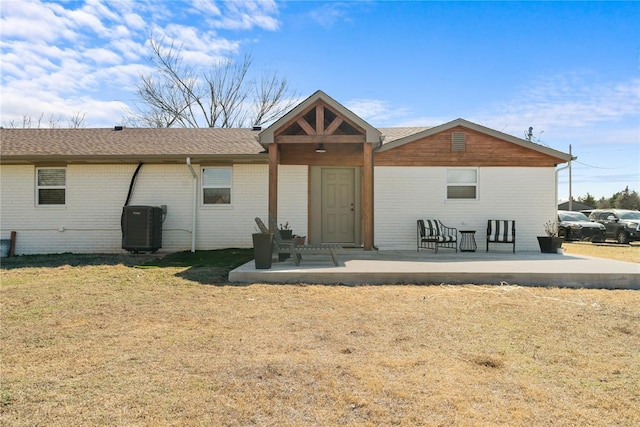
x=406 y=194
x=222 y=226
x=293 y=188
x=90 y=222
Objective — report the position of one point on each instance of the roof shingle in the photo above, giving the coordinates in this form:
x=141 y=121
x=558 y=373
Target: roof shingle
x=132 y=142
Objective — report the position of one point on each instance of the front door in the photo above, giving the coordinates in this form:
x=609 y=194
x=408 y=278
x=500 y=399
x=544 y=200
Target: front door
x=338 y=205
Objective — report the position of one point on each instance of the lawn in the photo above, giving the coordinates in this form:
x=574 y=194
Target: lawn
x=629 y=253
x=93 y=340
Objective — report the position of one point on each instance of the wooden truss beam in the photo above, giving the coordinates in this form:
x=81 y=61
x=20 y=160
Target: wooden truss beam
x=335 y=124
x=317 y=139
x=306 y=126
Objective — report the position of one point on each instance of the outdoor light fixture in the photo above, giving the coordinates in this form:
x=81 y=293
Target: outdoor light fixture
x=320 y=148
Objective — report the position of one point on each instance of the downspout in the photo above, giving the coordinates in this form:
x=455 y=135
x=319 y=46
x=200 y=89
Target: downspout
x=373 y=191
x=558 y=170
x=195 y=205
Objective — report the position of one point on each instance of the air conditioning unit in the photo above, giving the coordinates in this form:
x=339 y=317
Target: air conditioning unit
x=141 y=228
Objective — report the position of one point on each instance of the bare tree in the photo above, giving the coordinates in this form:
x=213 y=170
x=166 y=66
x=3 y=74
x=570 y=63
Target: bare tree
x=224 y=96
x=270 y=95
x=27 y=122
x=77 y=121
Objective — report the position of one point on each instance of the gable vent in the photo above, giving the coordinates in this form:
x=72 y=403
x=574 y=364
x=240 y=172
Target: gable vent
x=458 y=141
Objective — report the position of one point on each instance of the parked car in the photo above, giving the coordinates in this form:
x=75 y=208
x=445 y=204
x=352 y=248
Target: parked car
x=576 y=226
x=622 y=225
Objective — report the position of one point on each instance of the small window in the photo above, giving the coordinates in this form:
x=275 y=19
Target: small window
x=216 y=186
x=458 y=141
x=462 y=183
x=51 y=186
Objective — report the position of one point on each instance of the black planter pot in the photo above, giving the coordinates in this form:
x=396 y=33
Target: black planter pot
x=286 y=234
x=550 y=244
x=262 y=249
x=283 y=257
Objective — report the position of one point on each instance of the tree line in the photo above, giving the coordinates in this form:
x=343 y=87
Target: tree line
x=625 y=199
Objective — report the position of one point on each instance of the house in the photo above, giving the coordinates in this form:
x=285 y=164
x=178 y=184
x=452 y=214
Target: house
x=332 y=176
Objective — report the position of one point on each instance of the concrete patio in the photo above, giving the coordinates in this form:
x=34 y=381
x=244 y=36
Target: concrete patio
x=358 y=267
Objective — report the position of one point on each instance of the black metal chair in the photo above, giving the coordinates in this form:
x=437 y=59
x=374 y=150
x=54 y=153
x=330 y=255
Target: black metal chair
x=501 y=231
x=432 y=234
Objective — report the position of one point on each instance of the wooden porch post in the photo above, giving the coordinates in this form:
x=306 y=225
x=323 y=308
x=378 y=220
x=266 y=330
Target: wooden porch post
x=274 y=160
x=367 y=197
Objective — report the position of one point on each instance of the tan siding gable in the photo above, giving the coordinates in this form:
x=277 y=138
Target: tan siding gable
x=481 y=150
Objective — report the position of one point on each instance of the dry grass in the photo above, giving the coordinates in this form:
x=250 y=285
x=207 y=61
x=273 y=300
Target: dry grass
x=117 y=345
x=629 y=253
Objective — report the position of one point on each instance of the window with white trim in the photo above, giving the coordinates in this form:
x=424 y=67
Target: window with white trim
x=216 y=185
x=51 y=186
x=462 y=183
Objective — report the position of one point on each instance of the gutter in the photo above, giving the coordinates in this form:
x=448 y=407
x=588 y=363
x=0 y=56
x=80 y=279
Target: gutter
x=195 y=204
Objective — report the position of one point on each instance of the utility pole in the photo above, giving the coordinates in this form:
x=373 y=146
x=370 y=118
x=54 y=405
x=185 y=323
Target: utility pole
x=570 y=192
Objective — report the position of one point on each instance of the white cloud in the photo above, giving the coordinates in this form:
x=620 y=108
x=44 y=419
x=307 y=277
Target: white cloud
x=204 y=44
x=376 y=112
x=129 y=49
x=32 y=20
x=207 y=7
x=103 y=56
x=565 y=104
x=50 y=106
x=246 y=15
x=124 y=77
x=331 y=13
x=84 y=19
x=55 y=55
x=133 y=21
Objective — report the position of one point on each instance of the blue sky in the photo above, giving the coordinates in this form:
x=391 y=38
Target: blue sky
x=571 y=70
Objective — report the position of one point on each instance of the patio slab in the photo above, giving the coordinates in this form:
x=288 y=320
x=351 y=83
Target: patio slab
x=409 y=267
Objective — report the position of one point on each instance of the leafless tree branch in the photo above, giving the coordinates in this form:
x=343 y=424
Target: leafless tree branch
x=223 y=96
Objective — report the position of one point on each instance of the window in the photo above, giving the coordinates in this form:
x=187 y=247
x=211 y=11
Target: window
x=51 y=186
x=216 y=185
x=462 y=183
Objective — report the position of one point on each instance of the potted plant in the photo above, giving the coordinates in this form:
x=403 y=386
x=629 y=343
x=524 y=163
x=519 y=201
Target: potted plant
x=286 y=232
x=262 y=249
x=550 y=243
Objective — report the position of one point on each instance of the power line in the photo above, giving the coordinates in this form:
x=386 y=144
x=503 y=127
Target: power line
x=598 y=167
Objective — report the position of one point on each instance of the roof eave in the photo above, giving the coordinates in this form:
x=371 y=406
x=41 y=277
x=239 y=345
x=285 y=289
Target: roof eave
x=111 y=159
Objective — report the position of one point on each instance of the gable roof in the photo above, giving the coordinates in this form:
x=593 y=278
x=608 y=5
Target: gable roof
x=108 y=144
x=390 y=144
x=207 y=144
x=372 y=134
x=393 y=134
